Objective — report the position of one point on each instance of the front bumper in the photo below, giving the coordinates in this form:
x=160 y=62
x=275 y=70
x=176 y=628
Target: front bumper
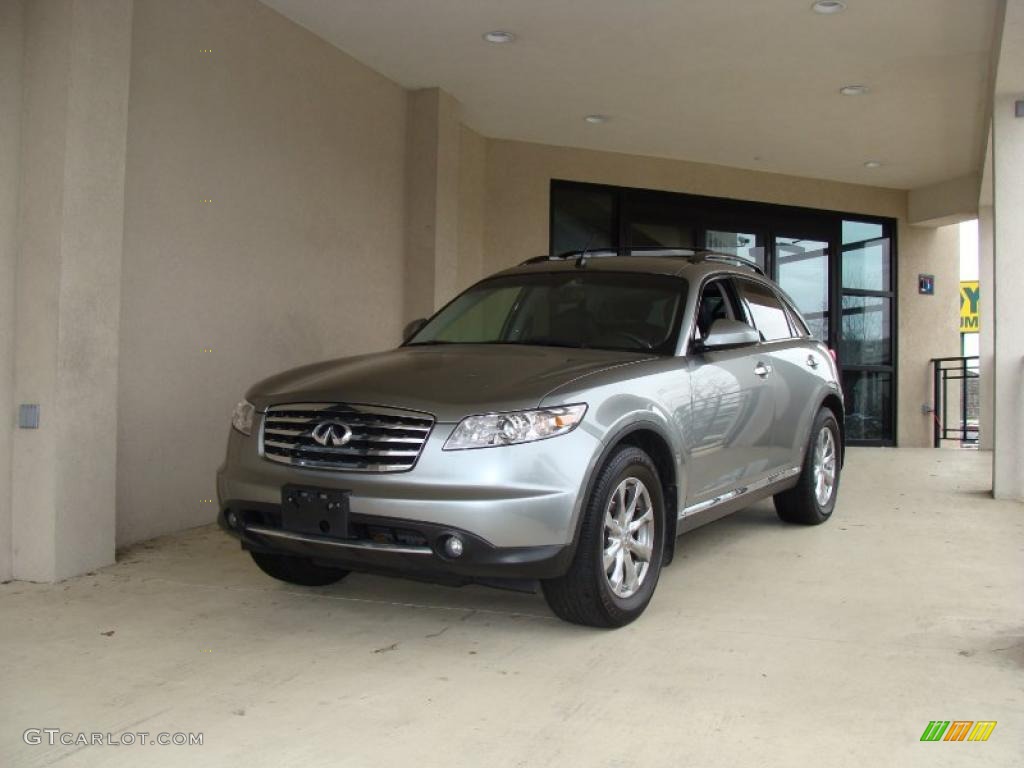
x=416 y=551
x=514 y=507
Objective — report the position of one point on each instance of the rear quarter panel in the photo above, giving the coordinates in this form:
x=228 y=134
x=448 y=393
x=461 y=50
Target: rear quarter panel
x=804 y=389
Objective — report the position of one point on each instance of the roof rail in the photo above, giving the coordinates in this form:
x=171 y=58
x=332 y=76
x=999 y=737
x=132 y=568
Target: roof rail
x=694 y=255
x=727 y=258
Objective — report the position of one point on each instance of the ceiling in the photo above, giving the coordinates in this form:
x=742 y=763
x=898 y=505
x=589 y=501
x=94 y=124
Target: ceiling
x=745 y=83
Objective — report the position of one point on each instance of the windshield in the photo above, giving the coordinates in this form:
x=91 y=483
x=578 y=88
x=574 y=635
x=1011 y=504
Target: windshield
x=594 y=310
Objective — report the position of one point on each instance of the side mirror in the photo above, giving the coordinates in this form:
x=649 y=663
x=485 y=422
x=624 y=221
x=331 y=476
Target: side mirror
x=413 y=328
x=730 y=333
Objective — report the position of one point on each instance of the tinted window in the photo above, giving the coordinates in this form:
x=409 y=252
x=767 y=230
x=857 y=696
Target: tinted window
x=584 y=309
x=482 y=317
x=766 y=311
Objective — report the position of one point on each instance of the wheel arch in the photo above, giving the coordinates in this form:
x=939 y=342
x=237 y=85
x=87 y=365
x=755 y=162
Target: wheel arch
x=834 y=404
x=652 y=440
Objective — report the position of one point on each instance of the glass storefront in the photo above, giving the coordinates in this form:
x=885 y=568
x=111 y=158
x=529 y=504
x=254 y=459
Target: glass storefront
x=839 y=269
x=866 y=334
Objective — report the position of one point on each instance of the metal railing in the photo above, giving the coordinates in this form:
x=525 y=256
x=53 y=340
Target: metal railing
x=955 y=382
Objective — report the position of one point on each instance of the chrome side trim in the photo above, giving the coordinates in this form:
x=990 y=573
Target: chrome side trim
x=274 y=533
x=735 y=493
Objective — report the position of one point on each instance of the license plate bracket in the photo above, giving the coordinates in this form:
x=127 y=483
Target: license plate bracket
x=317 y=511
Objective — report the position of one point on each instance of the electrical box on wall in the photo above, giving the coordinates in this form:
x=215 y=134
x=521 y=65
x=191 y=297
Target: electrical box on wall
x=926 y=284
x=28 y=416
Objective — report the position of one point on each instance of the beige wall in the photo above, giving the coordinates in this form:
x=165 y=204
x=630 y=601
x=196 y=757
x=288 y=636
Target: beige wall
x=986 y=312
x=1007 y=279
x=44 y=102
x=432 y=149
x=517 y=212
x=71 y=222
x=929 y=326
x=11 y=51
x=472 y=190
x=297 y=258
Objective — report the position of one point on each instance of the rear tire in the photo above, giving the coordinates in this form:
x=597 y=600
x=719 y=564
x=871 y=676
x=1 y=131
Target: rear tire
x=812 y=499
x=297 y=570
x=609 y=583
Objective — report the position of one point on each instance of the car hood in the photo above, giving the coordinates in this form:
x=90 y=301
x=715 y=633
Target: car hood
x=449 y=381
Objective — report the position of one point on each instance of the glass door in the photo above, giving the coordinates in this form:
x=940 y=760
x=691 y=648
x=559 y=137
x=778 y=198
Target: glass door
x=866 y=335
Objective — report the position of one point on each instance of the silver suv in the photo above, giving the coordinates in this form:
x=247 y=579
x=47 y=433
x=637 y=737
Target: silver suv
x=561 y=422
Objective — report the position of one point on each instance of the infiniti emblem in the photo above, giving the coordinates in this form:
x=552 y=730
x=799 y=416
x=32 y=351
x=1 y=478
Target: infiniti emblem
x=332 y=432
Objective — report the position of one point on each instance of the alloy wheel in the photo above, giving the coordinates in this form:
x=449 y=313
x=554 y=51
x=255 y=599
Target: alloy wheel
x=824 y=466
x=628 y=537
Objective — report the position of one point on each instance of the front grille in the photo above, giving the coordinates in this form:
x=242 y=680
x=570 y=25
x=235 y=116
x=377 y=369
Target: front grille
x=382 y=439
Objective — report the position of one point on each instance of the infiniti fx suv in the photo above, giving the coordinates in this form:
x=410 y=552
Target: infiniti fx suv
x=560 y=422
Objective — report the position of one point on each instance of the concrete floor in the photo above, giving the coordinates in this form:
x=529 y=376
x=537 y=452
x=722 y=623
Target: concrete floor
x=765 y=645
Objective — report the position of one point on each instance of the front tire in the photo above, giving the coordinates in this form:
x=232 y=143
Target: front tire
x=621 y=543
x=812 y=499
x=297 y=570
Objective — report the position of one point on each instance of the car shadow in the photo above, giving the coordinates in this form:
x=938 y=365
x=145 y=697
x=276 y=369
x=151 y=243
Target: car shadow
x=479 y=601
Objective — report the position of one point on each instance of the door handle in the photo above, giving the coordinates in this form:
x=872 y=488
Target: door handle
x=762 y=370
x=812 y=361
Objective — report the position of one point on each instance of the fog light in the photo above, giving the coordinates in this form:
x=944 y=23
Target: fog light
x=453 y=546
x=232 y=519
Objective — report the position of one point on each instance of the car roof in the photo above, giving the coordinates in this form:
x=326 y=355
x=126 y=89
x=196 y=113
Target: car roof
x=694 y=265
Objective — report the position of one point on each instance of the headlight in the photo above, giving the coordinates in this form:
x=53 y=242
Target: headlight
x=492 y=429
x=241 y=417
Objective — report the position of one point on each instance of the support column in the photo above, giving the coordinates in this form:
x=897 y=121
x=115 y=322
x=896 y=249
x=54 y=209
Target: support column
x=12 y=33
x=986 y=333
x=1008 y=315
x=68 y=284
x=432 y=201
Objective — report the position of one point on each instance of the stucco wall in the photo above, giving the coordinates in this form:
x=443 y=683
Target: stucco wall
x=472 y=189
x=929 y=326
x=11 y=51
x=516 y=227
x=298 y=256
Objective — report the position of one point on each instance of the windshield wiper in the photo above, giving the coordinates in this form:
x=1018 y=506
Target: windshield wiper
x=544 y=341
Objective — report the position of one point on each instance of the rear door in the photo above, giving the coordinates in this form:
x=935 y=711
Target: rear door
x=791 y=361
x=729 y=430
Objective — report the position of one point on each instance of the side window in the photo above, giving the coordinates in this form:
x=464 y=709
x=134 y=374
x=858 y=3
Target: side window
x=714 y=305
x=766 y=311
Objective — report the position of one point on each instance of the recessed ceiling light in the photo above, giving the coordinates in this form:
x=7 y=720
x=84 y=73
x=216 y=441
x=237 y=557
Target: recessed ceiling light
x=853 y=90
x=829 y=6
x=872 y=164
x=499 y=36
x=596 y=119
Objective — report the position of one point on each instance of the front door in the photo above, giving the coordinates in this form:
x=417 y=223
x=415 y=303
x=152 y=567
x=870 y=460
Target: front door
x=729 y=430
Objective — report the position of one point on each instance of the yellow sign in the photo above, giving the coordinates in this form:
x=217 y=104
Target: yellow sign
x=969 y=306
